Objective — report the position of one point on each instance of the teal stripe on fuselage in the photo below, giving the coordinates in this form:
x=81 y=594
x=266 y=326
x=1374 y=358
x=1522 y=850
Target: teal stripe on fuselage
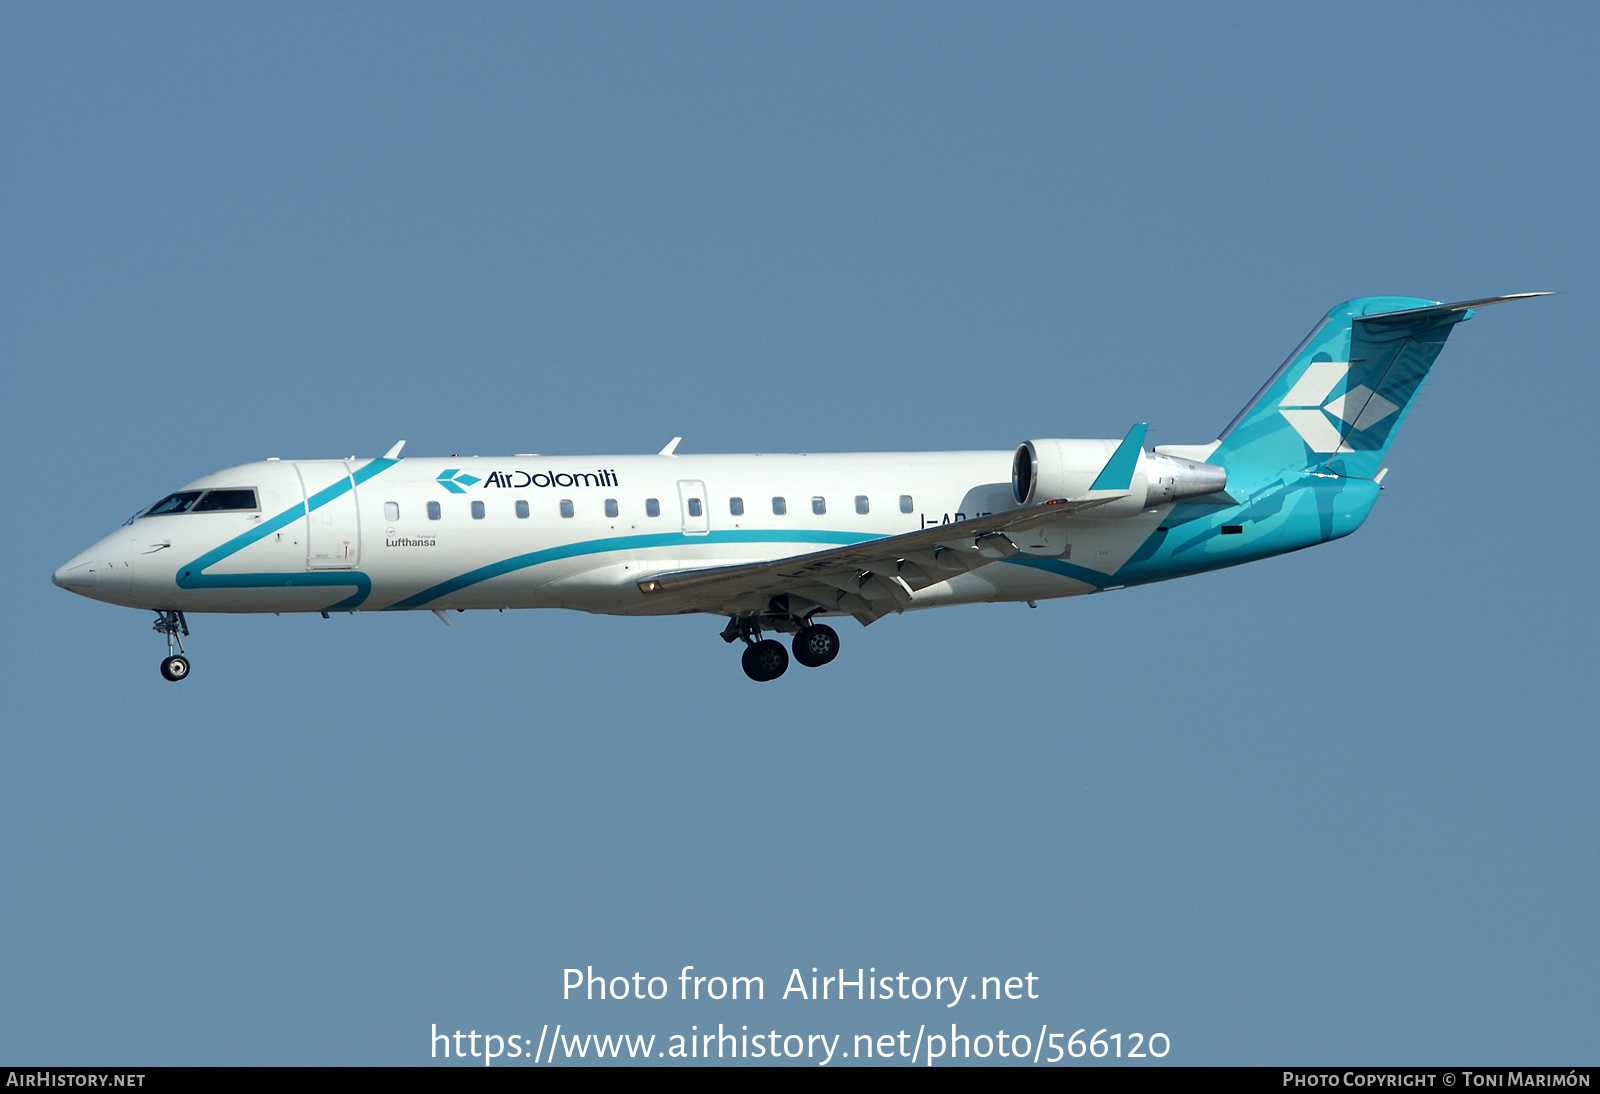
x=193 y=576
x=619 y=543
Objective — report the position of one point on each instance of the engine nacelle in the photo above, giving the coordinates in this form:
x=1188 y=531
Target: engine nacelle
x=1048 y=469
x=1170 y=478
x=1054 y=468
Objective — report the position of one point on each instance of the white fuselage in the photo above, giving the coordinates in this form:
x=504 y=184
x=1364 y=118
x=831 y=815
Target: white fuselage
x=563 y=532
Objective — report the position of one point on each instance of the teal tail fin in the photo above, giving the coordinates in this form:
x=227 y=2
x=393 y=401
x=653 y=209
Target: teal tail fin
x=1336 y=404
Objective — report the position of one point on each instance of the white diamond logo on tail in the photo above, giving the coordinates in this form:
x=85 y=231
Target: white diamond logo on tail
x=1347 y=407
x=1377 y=409
x=1314 y=428
x=1316 y=383
x=1307 y=406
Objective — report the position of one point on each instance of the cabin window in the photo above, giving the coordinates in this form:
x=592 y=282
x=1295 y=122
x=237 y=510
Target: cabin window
x=173 y=503
x=611 y=507
x=218 y=500
x=566 y=507
x=736 y=506
x=391 y=511
x=694 y=507
x=433 y=510
x=905 y=503
x=522 y=510
x=819 y=506
x=477 y=510
x=652 y=507
x=779 y=507
x=861 y=504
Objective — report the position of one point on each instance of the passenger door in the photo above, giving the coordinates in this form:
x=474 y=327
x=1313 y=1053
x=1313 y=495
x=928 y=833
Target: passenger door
x=694 y=507
x=333 y=522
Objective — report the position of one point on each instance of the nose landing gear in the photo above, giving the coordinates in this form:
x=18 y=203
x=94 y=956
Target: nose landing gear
x=175 y=666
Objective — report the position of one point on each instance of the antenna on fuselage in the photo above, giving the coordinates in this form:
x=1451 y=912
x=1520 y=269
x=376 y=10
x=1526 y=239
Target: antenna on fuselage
x=671 y=449
x=394 y=453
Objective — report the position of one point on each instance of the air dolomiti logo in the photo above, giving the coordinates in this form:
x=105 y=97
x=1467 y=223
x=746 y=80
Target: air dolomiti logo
x=1313 y=415
x=456 y=481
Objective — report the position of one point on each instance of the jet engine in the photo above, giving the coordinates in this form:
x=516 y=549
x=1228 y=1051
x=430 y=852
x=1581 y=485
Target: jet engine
x=1168 y=478
x=1052 y=468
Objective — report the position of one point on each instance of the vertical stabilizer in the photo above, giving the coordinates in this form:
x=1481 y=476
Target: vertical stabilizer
x=1336 y=404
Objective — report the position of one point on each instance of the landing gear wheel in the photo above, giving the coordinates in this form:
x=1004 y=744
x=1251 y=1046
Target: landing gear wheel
x=816 y=645
x=172 y=624
x=765 y=660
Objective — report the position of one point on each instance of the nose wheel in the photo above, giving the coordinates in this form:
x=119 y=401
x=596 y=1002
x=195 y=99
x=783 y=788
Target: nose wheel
x=175 y=666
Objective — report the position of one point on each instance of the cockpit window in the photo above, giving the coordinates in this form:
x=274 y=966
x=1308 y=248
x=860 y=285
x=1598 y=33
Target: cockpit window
x=203 y=501
x=225 y=499
x=173 y=503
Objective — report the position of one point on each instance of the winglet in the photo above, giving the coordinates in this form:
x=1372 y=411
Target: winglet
x=1117 y=474
x=394 y=453
x=671 y=449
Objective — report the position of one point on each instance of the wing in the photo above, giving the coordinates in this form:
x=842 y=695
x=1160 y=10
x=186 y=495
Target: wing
x=869 y=580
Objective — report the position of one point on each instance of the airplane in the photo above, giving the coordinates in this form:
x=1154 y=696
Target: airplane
x=777 y=543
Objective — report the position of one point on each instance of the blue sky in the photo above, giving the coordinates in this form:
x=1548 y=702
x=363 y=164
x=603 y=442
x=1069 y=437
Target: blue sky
x=1337 y=806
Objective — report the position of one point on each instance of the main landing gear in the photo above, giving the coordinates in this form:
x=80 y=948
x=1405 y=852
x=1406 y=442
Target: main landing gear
x=175 y=666
x=815 y=644
x=765 y=660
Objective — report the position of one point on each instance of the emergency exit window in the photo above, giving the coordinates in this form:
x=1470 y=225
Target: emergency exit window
x=391 y=511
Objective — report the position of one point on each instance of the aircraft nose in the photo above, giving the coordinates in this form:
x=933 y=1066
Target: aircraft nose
x=78 y=574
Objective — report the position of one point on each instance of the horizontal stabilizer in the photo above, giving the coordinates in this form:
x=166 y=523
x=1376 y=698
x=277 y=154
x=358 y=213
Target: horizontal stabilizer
x=1438 y=311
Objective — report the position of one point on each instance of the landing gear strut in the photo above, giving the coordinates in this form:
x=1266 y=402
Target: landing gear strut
x=175 y=666
x=763 y=658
